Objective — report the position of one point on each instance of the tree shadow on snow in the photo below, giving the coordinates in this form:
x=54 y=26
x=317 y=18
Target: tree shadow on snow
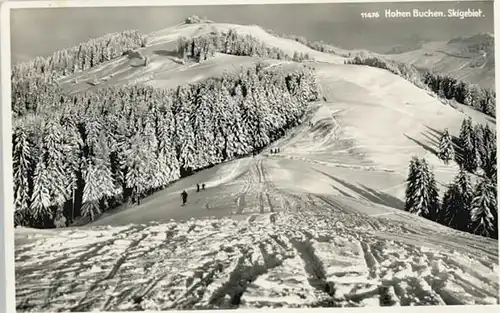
x=137 y=65
x=368 y=193
x=173 y=56
x=322 y=128
x=343 y=193
x=456 y=143
x=491 y=120
x=386 y=198
x=432 y=138
x=423 y=145
x=166 y=53
x=134 y=55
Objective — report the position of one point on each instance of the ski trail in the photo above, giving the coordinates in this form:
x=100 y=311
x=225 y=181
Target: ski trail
x=311 y=250
x=322 y=256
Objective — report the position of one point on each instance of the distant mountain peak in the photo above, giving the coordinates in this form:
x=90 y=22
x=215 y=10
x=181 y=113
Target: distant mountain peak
x=482 y=36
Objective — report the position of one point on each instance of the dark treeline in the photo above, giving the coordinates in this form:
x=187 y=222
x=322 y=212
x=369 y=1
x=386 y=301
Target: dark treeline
x=34 y=83
x=116 y=145
x=31 y=93
x=320 y=46
x=445 y=86
x=477 y=145
x=481 y=99
x=82 y=57
x=406 y=71
x=464 y=207
x=204 y=47
x=479 y=43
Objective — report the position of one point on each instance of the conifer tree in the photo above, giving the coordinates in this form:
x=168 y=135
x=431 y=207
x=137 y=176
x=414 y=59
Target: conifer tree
x=484 y=212
x=455 y=211
x=479 y=143
x=137 y=171
x=490 y=163
x=469 y=151
x=91 y=192
x=421 y=191
x=73 y=144
x=434 y=205
x=53 y=150
x=489 y=157
x=40 y=198
x=154 y=168
x=22 y=154
x=446 y=150
x=489 y=137
x=411 y=187
x=102 y=165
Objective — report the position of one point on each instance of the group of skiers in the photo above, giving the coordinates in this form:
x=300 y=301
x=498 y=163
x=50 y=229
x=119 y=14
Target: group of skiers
x=184 y=194
x=275 y=150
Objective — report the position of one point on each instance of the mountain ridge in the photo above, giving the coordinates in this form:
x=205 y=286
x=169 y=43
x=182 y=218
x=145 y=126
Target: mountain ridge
x=470 y=58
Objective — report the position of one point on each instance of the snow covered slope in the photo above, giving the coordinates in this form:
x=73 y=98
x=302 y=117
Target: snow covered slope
x=164 y=68
x=471 y=58
x=318 y=224
x=315 y=252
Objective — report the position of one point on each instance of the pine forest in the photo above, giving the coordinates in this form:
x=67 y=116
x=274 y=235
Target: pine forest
x=82 y=154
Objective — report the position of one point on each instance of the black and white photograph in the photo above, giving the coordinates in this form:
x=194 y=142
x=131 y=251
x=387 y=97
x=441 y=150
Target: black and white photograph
x=253 y=156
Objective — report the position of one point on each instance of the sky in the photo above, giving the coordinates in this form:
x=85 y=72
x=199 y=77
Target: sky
x=40 y=32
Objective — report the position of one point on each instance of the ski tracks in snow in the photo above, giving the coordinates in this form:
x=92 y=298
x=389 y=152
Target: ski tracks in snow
x=322 y=255
x=293 y=250
x=254 y=196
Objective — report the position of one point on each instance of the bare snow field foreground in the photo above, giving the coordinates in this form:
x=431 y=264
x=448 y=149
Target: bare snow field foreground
x=313 y=252
x=315 y=218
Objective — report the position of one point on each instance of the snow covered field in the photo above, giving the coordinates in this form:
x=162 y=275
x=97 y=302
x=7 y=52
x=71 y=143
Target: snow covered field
x=313 y=250
x=318 y=224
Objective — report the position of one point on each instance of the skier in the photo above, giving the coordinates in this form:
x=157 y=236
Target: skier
x=203 y=186
x=197 y=187
x=184 y=196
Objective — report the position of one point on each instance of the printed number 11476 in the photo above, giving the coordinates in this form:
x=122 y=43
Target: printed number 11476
x=370 y=15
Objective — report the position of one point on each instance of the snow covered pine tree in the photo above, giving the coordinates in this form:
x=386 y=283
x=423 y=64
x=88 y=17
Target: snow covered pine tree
x=446 y=151
x=422 y=197
x=484 y=211
x=469 y=151
x=455 y=211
